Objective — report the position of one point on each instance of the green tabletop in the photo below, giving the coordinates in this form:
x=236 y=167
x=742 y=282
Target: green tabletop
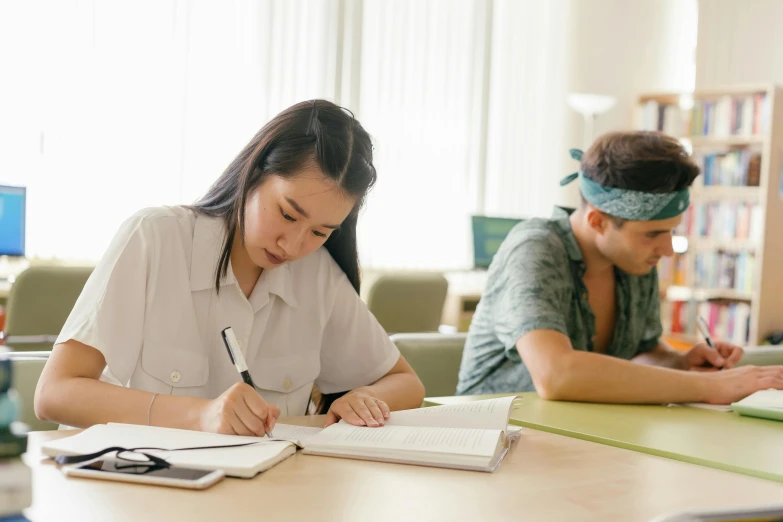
x=719 y=440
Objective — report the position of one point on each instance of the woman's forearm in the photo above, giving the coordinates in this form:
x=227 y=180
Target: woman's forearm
x=63 y=401
x=400 y=391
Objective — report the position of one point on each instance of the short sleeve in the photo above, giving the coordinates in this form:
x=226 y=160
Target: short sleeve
x=652 y=319
x=109 y=314
x=355 y=350
x=532 y=293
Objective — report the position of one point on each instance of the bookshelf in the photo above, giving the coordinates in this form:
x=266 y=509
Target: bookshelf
x=731 y=272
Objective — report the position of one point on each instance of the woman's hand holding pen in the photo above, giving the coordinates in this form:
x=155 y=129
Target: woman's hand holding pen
x=240 y=410
x=703 y=358
x=358 y=408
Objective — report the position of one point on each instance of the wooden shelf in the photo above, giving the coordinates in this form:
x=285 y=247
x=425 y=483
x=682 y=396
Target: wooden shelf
x=723 y=141
x=686 y=293
x=682 y=337
x=701 y=94
x=727 y=245
x=766 y=300
x=735 y=90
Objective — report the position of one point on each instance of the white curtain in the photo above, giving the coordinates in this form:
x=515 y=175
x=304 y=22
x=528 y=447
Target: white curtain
x=421 y=95
x=109 y=107
x=527 y=135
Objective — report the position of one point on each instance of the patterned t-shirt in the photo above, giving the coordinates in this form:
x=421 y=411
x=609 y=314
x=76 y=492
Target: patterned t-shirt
x=535 y=283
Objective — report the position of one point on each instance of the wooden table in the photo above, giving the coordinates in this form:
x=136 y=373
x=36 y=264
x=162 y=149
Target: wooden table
x=544 y=477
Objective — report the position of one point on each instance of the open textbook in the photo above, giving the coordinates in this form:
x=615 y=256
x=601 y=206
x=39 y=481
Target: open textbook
x=472 y=436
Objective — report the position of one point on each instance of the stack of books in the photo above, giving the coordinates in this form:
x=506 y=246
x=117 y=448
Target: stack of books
x=15 y=476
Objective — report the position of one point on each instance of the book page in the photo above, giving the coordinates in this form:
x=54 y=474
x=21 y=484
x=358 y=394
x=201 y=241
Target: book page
x=408 y=438
x=295 y=434
x=489 y=414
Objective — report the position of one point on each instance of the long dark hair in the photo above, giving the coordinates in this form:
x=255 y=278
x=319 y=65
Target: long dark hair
x=313 y=131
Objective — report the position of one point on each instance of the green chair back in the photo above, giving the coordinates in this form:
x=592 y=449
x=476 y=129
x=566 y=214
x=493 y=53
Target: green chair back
x=435 y=358
x=26 y=369
x=39 y=302
x=408 y=302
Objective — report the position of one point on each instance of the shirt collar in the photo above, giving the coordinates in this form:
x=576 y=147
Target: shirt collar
x=277 y=281
x=208 y=236
x=560 y=216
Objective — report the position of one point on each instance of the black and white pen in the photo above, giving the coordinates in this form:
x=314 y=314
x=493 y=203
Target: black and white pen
x=704 y=328
x=238 y=359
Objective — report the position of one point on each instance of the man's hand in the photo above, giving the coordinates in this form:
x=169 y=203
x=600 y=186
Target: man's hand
x=703 y=358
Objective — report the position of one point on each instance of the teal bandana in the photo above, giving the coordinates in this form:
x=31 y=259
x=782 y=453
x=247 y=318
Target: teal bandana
x=629 y=204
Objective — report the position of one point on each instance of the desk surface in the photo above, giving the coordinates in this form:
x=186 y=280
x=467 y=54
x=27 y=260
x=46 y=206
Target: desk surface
x=544 y=477
x=719 y=440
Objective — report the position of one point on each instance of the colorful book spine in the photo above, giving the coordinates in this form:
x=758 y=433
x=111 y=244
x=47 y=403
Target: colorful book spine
x=723 y=220
x=735 y=168
x=727 y=321
x=725 y=270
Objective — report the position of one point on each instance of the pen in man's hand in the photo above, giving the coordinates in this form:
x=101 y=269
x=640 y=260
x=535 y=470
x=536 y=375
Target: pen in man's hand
x=705 y=331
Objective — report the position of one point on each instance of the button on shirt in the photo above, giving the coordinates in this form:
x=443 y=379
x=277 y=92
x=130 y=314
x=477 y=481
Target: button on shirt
x=150 y=307
x=535 y=283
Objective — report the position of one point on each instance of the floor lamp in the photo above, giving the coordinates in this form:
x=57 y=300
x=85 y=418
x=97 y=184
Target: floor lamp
x=590 y=106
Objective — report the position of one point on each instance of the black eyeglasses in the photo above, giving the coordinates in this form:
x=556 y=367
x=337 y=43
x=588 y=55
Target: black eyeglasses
x=137 y=458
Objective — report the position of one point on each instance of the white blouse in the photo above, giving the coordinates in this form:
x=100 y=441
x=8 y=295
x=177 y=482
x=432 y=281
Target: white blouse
x=151 y=309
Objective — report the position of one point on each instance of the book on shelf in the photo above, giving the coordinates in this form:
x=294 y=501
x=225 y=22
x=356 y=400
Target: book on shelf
x=739 y=167
x=668 y=118
x=672 y=271
x=725 y=270
x=723 y=220
x=728 y=321
x=722 y=116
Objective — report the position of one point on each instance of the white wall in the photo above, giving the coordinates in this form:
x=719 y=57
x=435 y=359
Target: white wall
x=740 y=42
x=541 y=51
x=621 y=48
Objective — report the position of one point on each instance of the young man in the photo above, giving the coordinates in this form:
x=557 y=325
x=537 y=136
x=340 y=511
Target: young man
x=571 y=306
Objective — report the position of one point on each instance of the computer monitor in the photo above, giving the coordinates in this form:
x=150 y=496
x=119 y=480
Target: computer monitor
x=488 y=234
x=13 y=203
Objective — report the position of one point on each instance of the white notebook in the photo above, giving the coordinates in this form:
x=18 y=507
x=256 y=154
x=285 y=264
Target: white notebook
x=472 y=436
x=704 y=406
x=770 y=399
x=243 y=461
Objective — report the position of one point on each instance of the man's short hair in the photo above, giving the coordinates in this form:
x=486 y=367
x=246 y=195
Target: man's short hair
x=642 y=160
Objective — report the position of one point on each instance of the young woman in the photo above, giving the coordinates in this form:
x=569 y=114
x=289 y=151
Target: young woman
x=269 y=251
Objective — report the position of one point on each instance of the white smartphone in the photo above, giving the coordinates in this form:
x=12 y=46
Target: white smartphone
x=173 y=477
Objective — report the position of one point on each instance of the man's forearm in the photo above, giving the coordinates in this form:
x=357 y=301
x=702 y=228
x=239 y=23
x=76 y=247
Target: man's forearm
x=662 y=355
x=591 y=377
